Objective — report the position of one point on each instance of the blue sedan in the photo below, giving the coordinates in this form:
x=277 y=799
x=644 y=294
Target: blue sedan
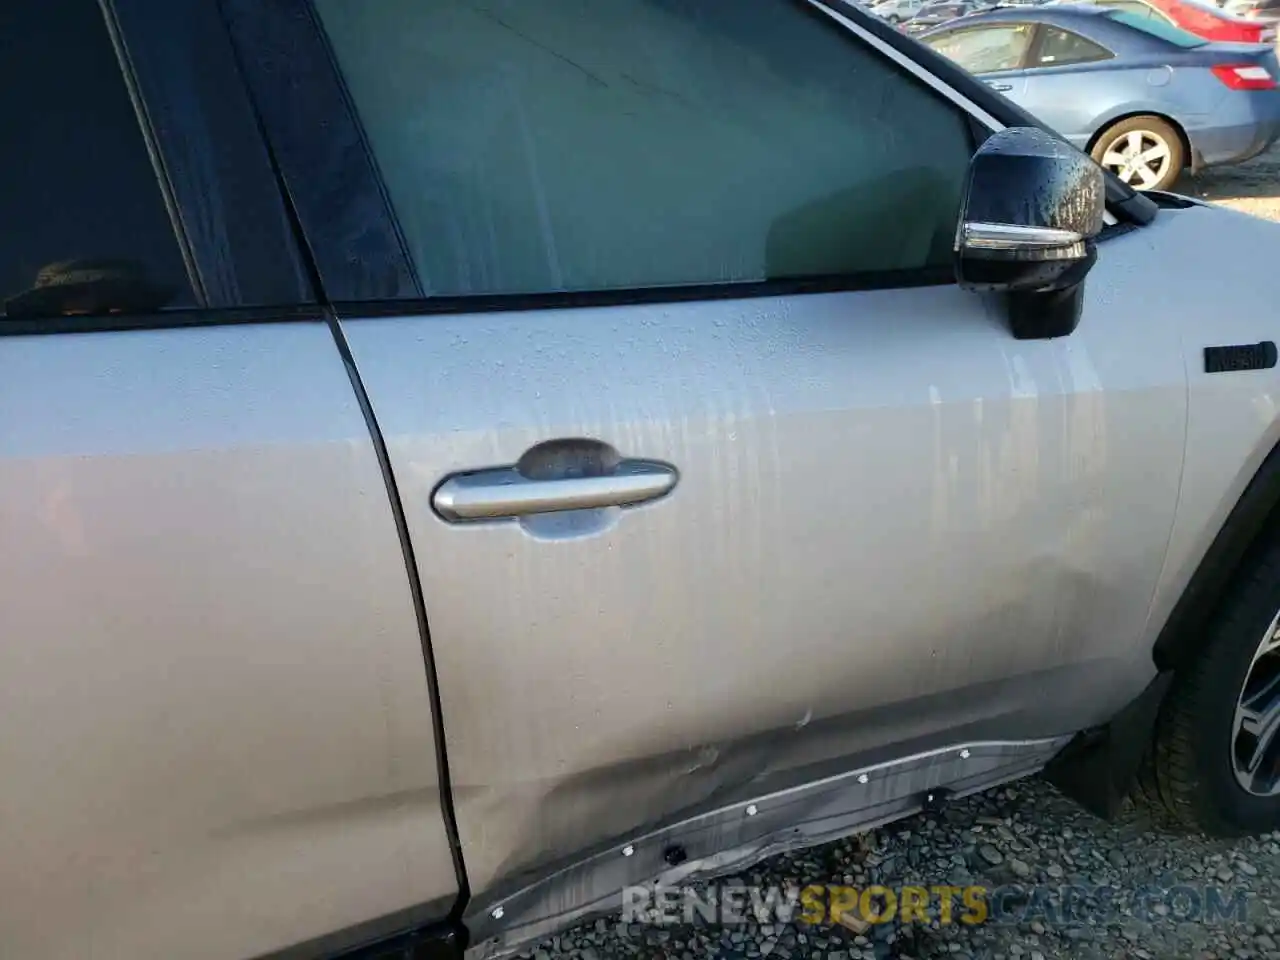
x=1143 y=98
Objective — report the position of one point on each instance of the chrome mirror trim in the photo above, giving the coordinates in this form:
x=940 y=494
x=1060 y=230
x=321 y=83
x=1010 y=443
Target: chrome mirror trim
x=976 y=235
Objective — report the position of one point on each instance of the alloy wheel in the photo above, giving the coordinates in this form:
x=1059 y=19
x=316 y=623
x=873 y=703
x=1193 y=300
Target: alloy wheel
x=1139 y=157
x=1255 y=735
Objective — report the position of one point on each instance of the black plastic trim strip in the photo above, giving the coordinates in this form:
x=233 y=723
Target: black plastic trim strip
x=420 y=609
x=1122 y=200
x=294 y=18
x=214 y=166
x=1255 y=515
x=398 y=936
x=147 y=127
x=885 y=280
x=320 y=150
x=170 y=320
x=1240 y=357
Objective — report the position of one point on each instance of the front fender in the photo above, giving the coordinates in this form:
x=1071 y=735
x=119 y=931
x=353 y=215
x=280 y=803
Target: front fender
x=1212 y=261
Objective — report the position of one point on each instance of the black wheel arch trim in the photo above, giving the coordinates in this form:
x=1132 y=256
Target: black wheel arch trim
x=1097 y=769
x=1252 y=521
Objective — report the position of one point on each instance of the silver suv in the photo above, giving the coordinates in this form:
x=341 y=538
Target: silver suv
x=458 y=461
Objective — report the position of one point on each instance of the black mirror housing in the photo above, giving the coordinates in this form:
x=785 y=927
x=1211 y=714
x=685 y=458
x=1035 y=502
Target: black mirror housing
x=1032 y=211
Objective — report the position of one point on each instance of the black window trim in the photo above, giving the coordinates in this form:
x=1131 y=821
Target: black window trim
x=164 y=184
x=307 y=118
x=214 y=166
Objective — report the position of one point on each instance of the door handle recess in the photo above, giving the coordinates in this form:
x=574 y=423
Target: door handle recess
x=505 y=492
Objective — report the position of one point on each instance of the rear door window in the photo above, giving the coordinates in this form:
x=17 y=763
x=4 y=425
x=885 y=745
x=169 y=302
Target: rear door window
x=87 y=229
x=1058 y=47
x=986 y=49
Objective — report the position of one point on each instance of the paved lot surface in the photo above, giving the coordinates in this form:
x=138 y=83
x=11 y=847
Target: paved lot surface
x=1253 y=187
x=1026 y=836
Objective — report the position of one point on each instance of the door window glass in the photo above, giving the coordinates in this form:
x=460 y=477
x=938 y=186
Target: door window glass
x=534 y=146
x=985 y=49
x=85 y=227
x=1059 y=47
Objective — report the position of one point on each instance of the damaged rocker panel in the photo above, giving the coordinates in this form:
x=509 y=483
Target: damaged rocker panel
x=726 y=839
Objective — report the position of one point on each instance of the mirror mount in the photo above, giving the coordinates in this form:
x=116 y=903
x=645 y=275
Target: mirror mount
x=1033 y=208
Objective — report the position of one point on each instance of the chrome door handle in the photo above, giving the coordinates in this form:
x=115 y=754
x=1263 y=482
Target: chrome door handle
x=505 y=492
x=1002 y=87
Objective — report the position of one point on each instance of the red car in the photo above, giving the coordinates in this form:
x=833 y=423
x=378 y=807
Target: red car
x=1201 y=18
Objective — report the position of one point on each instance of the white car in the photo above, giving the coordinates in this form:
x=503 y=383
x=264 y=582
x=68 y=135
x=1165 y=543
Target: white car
x=898 y=11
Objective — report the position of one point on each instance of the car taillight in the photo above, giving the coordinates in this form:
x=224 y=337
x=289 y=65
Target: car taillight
x=1245 y=76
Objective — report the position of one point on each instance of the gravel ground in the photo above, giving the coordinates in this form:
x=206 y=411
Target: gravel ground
x=1253 y=187
x=1024 y=834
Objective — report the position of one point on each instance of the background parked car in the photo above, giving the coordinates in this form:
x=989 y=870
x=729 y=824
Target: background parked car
x=1086 y=71
x=1264 y=11
x=898 y=11
x=1202 y=18
x=943 y=11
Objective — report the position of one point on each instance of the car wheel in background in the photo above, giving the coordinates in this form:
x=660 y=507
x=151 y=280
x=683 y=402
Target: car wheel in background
x=1215 y=762
x=1144 y=152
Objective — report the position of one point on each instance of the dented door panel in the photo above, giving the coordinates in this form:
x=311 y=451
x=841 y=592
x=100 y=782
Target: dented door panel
x=894 y=527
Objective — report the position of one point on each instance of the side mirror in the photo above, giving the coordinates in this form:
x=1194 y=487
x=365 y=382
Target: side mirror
x=1032 y=210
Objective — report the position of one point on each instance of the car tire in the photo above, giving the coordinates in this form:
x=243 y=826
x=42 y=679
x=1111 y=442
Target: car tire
x=1198 y=764
x=1121 y=147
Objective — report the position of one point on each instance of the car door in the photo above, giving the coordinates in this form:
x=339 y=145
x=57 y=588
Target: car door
x=217 y=737
x=716 y=484
x=1071 y=80
x=995 y=52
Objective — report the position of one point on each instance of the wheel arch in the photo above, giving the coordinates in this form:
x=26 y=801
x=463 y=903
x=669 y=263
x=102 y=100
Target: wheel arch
x=1099 y=767
x=1251 y=524
x=1128 y=112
